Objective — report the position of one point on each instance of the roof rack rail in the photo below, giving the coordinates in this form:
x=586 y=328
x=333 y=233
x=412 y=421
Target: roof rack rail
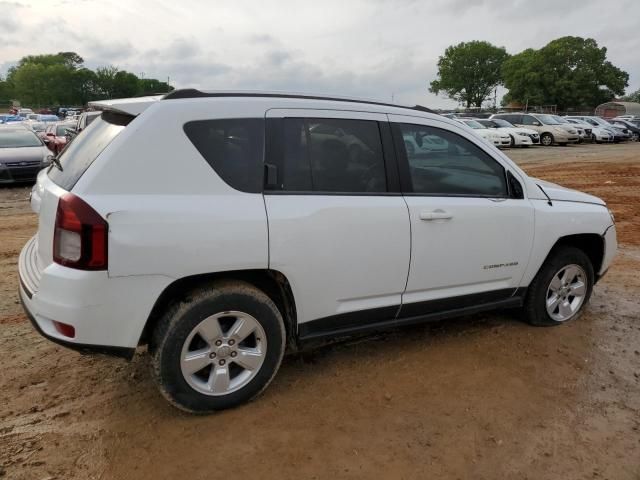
x=194 y=93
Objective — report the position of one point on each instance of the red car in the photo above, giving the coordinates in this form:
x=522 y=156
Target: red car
x=55 y=136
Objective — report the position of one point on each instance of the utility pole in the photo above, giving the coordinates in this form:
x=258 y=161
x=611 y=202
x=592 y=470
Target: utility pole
x=168 y=85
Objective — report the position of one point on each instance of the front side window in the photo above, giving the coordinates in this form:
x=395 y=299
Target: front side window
x=234 y=148
x=331 y=155
x=529 y=120
x=444 y=163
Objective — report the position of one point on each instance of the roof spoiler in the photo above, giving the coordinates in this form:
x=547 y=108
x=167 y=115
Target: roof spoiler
x=128 y=106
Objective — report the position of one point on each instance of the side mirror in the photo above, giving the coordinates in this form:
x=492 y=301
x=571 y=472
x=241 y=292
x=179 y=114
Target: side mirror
x=537 y=124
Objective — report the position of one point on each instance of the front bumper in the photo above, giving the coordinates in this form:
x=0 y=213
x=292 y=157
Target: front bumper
x=19 y=172
x=610 y=248
x=108 y=314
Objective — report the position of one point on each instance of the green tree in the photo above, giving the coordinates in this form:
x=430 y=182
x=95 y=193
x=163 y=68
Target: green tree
x=125 y=85
x=469 y=72
x=152 y=86
x=105 y=81
x=567 y=72
x=632 y=97
x=5 y=91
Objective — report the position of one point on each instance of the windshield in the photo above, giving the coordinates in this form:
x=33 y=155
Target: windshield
x=473 y=124
x=61 y=130
x=18 y=138
x=502 y=123
x=84 y=149
x=560 y=119
x=547 y=119
x=487 y=123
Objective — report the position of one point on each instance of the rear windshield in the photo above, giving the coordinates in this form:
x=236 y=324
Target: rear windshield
x=85 y=148
x=18 y=138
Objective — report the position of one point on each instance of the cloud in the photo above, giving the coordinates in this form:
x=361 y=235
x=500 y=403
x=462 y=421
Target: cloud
x=368 y=48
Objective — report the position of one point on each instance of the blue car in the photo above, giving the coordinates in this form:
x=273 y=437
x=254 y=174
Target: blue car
x=10 y=118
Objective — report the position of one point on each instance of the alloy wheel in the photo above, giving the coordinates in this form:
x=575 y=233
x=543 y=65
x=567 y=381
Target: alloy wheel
x=223 y=353
x=566 y=292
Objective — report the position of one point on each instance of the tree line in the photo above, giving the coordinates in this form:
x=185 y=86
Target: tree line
x=62 y=79
x=569 y=72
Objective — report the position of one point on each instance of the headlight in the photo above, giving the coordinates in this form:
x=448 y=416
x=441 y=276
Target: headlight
x=613 y=218
x=522 y=134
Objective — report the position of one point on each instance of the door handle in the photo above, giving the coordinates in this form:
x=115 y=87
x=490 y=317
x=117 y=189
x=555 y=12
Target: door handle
x=435 y=215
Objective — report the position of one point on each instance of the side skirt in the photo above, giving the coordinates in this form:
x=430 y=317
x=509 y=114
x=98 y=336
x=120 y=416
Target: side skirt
x=369 y=320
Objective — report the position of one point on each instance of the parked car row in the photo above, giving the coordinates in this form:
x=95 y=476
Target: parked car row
x=525 y=129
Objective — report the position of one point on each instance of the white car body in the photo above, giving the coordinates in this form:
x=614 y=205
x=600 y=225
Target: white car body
x=346 y=258
x=597 y=133
x=491 y=135
x=522 y=137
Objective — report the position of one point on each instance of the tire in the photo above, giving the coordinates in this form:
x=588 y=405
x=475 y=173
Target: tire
x=546 y=139
x=635 y=137
x=178 y=335
x=569 y=260
x=513 y=142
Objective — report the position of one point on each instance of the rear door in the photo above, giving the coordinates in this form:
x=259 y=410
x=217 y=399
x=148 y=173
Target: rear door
x=471 y=238
x=338 y=226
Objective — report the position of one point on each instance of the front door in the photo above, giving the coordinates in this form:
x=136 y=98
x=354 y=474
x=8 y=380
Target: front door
x=470 y=239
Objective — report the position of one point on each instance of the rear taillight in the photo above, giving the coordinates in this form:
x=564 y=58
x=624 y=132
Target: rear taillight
x=80 y=237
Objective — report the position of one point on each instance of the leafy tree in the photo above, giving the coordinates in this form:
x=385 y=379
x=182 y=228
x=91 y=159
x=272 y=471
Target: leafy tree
x=151 y=86
x=5 y=91
x=62 y=79
x=105 y=81
x=632 y=97
x=567 y=72
x=469 y=72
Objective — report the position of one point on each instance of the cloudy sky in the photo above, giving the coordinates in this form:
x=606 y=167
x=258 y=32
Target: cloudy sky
x=368 y=48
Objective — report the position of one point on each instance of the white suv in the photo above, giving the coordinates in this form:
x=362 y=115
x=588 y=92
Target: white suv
x=223 y=228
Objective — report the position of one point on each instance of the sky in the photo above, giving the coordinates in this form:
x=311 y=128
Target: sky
x=386 y=50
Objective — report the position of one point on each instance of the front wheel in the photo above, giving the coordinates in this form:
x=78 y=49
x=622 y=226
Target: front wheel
x=217 y=348
x=561 y=288
x=546 y=139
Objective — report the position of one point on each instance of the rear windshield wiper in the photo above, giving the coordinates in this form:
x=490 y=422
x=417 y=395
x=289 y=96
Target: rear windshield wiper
x=56 y=162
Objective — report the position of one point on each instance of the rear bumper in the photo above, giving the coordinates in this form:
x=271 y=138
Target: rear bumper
x=108 y=314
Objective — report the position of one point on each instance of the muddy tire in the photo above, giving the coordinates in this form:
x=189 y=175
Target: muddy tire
x=546 y=139
x=218 y=347
x=561 y=289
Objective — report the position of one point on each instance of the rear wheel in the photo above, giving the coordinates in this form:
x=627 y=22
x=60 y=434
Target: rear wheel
x=217 y=348
x=561 y=288
x=546 y=139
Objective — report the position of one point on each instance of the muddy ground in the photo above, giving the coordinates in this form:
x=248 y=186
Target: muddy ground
x=482 y=397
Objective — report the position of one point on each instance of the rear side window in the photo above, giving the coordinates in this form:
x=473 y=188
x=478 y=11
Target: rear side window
x=331 y=155
x=80 y=153
x=233 y=147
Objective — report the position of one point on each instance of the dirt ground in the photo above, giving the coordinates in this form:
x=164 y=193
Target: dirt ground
x=482 y=397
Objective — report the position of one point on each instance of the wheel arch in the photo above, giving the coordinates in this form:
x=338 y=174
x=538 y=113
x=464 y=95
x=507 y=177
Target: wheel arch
x=591 y=244
x=271 y=282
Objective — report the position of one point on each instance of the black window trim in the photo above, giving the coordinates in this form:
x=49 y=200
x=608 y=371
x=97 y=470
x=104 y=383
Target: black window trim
x=405 y=173
x=274 y=151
